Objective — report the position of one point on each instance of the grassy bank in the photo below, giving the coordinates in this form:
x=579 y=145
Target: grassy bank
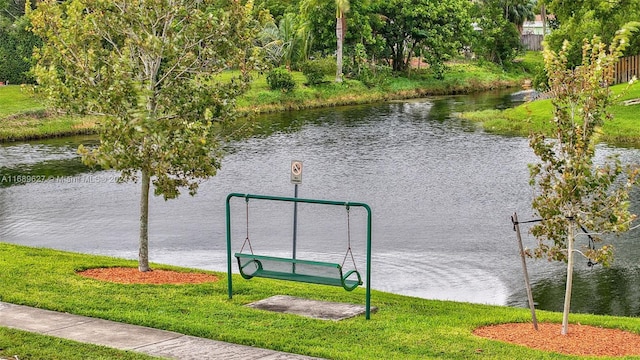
x=403 y=328
x=461 y=78
x=22 y=117
x=535 y=116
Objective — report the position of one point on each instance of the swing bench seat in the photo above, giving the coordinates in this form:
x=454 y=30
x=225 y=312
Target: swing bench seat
x=314 y=272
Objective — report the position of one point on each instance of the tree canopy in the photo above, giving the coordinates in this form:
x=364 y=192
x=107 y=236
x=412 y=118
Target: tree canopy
x=154 y=70
x=578 y=20
x=435 y=29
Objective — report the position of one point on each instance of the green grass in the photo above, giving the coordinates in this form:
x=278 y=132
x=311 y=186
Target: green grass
x=403 y=328
x=15 y=100
x=535 y=116
x=16 y=344
x=22 y=117
x=35 y=126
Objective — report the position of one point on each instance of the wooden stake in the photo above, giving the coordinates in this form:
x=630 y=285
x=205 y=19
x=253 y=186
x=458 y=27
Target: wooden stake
x=532 y=306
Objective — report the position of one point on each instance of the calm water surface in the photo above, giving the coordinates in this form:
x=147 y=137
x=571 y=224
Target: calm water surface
x=442 y=193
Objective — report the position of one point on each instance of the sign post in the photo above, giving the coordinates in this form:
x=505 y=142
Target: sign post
x=296 y=179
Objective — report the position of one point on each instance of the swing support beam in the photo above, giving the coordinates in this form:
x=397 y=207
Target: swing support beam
x=308 y=201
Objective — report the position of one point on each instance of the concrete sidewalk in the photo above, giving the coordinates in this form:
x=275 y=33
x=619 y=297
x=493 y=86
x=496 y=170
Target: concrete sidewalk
x=130 y=337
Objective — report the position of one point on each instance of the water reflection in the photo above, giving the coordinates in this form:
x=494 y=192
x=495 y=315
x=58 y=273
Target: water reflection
x=442 y=193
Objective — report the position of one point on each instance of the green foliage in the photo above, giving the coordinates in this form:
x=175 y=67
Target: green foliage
x=280 y=79
x=150 y=68
x=16 y=47
x=367 y=72
x=277 y=8
x=316 y=70
x=573 y=191
x=578 y=20
x=517 y=11
x=498 y=39
x=320 y=18
x=159 y=91
x=540 y=81
x=436 y=29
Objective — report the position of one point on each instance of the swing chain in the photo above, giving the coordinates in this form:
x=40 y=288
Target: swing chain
x=349 y=251
x=246 y=240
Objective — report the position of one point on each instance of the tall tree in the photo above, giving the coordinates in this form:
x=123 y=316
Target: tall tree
x=342 y=7
x=286 y=43
x=573 y=192
x=152 y=69
x=439 y=28
x=518 y=11
x=497 y=39
x=320 y=19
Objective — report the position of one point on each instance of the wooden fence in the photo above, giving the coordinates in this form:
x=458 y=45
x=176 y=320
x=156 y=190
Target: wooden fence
x=626 y=69
x=531 y=42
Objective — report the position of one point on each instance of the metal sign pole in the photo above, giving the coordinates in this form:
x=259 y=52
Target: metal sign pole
x=295 y=221
x=296 y=179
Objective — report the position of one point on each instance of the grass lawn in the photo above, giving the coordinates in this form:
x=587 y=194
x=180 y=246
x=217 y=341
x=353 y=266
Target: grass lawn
x=14 y=100
x=403 y=328
x=535 y=116
x=22 y=117
x=16 y=344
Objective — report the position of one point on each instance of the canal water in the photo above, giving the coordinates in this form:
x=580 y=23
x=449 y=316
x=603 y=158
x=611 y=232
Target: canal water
x=442 y=193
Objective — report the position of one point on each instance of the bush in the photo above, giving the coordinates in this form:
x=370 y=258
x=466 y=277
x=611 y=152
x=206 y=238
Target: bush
x=280 y=79
x=316 y=70
x=540 y=81
x=16 y=47
x=360 y=68
x=374 y=75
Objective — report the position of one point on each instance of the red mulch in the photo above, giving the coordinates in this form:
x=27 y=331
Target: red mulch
x=125 y=275
x=581 y=340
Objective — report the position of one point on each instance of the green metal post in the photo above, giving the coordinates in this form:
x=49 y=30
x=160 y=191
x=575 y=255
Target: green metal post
x=229 y=280
x=368 y=286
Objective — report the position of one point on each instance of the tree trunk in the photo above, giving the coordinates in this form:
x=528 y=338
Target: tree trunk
x=339 y=36
x=543 y=15
x=567 y=295
x=143 y=255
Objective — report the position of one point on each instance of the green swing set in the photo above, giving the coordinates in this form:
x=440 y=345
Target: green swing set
x=292 y=269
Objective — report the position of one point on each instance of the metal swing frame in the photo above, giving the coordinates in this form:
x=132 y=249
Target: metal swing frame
x=347 y=280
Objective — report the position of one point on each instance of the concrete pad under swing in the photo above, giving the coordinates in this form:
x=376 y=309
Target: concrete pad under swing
x=316 y=309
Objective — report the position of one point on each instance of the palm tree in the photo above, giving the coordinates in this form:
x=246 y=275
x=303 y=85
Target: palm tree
x=519 y=11
x=342 y=7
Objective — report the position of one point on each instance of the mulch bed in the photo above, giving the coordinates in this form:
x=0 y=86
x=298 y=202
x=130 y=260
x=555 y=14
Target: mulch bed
x=580 y=340
x=124 y=275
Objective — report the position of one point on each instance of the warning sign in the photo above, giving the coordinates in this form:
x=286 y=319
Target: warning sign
x=296 y=172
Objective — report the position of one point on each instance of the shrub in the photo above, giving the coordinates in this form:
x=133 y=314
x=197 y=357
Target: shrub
x=541 y=80
x=16 y=47
x=316 y=70
x=280 y=79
